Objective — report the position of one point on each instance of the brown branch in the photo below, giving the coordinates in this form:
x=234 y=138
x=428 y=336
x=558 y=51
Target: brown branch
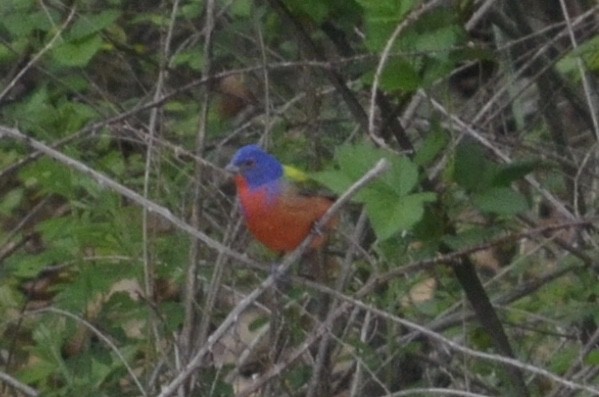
x=338 y=82
x=124 y=191
x=381 y=167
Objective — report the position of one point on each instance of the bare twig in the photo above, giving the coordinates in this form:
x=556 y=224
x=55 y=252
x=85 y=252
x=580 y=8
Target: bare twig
x=100 y=336
x=583 y=73
x=189 y=334
x=411 y=18
x=456 y=346
x=21 y=387
x=148 y=265
x=471 y=131
x=293 y=257
x=124 y=191
x=37 y=56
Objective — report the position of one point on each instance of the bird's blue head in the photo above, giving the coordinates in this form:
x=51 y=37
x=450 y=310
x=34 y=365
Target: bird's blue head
x=256 y=166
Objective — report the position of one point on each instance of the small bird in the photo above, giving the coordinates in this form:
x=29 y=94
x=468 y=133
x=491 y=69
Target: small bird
x=275 y=212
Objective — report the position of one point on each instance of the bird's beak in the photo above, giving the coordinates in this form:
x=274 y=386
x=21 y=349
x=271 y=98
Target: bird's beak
x=232 y=168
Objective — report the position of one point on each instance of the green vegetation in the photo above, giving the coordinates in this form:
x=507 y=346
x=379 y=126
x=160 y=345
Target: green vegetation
x=468 y=267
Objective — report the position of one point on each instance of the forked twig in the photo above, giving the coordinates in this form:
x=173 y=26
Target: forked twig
x=380 y=167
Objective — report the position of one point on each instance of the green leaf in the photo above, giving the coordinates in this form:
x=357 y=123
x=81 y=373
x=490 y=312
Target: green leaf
x=336 y=180
x=92 y=23
x=592 y=358
x=398 y=75
x=193 y=9
x=11 y=200
x=435 y=141
x=390 y=214
x=381 y=19
x=78 y=53
x=23 y=24
x=192 y=58
x=562 y=360
x=515 y=171
x=355 y=160
x=471 y=237
x=471 y=169
x=37 y=372
x=48 y=338
x=588 y=51
x=8 y=54
x=50 y=176
x=316 y=9
x=402 y=178
x=437 y=43
x=501 y=201
x=14 y=6
x=388 y=201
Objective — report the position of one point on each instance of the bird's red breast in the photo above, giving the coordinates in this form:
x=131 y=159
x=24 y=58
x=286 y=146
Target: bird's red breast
x=281 y=221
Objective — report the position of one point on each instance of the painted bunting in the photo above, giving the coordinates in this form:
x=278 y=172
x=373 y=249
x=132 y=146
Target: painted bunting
x=275 y=212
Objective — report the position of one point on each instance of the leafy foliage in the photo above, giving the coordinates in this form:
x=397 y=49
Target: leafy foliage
x=390 y=203
x=483 y=113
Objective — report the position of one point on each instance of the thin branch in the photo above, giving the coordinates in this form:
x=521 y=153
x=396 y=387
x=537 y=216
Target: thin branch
x=428 y=391
x=468 y=129
x=189 y=334
x=148 y=265
x=583 y=73
x=37 y=56
x=381 y=167
x=102 y=337
x=411 y=18
x=124 y=191
x=458 y=347
x=336 y=80
x=14 y=383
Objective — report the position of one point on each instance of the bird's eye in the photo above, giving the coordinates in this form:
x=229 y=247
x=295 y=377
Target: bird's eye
x=249 y=163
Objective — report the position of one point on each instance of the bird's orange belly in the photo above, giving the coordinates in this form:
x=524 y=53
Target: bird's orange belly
x=279 y=234
x=282 y=230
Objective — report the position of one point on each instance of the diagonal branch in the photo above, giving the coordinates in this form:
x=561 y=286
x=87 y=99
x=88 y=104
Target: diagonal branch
x=381 y=167
x=124 y=191
x=16 y=384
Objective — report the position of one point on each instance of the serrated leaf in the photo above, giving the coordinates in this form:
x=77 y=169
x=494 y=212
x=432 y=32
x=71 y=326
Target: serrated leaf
x=381 y=19
x=389 y=205
x=355 y=160
x=78 y=53
x=336 y=180
x=390 y=214
x=402 y=178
